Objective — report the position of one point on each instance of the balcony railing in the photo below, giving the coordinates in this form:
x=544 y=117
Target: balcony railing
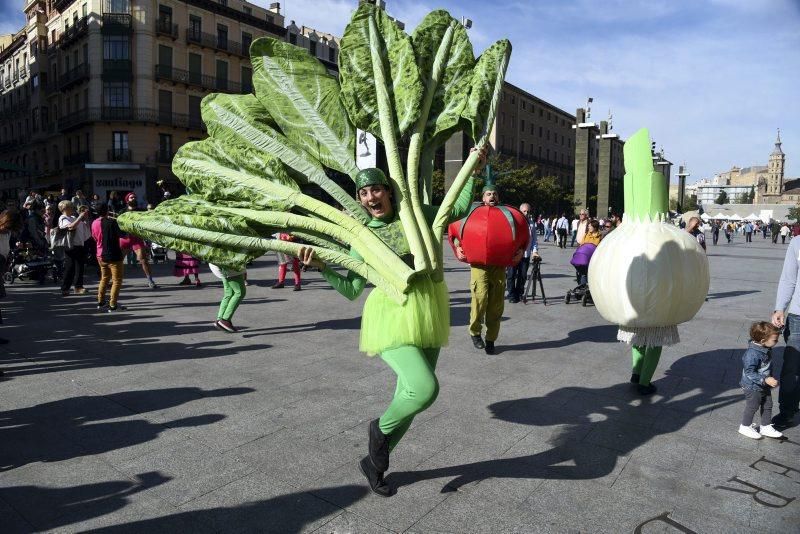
x=164 y=156
x=129 y=114
x=166 y=72
x=216 y=42
x=75 y=32
x=75 y=76
x=119 y=154
x=77 y=159
x=166 y=27
x=117 y=23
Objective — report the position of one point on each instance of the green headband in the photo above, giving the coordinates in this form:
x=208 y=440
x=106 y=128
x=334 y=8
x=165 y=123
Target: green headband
x=366 y=177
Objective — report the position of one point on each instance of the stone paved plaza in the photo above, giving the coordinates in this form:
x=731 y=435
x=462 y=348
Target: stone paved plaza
x=150 y=420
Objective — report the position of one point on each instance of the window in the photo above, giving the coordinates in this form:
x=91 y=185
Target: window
x=540 y=131
x=332 y=54
x=164 y=147
x=35 y=81
x=222 y=36
x=116 y=94
x=222 y=74
x=165 y=16
x=35 y=119
x=119 y=145
x=523 y=104
x=247 y=79
x=247 y=10
x=522 y=125
x=548 y=154
x=117 y=6
x=194 y=111
x=195 y=68
x=84 y=11
x=165 y=106
x=247 y=39
x=293 y=38
x=195 y=26
x=522 y=147
x=312 y=47
x=223 y=2
x=116 y=47
x=165 y=57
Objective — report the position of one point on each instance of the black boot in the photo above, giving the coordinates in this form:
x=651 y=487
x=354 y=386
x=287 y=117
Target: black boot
x=490 y=347
x=477 y=342
x=634 y=378
x=378 y=447
x=374 y=477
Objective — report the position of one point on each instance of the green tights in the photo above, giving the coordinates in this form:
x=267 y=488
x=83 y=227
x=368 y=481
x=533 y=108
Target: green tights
x=645 y=361
x=416 y=390
x=234 y=293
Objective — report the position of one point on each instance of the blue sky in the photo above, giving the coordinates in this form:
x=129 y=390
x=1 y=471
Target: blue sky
x=711 y=79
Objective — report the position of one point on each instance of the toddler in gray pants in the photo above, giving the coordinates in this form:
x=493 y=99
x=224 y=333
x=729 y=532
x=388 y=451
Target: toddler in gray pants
x=757 y=381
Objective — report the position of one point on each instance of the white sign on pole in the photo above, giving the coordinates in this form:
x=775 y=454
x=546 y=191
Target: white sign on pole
x=366 y=150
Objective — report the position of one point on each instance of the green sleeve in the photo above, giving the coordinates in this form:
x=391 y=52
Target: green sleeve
x=351 y=286
x=460 y=208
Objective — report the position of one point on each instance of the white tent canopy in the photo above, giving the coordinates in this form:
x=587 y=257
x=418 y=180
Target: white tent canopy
x=735 y=217
x=705 y=217
x=753 y=217
x=720 y=215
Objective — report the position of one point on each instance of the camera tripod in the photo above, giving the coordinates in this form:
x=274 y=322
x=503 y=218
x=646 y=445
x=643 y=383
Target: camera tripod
x=534 y=276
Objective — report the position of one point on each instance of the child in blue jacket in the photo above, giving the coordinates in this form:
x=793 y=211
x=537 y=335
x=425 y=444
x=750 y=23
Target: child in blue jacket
x=757 y=381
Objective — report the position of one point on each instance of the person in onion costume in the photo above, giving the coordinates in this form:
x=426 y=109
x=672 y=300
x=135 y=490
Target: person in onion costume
x=648 y=275
x=247 y=180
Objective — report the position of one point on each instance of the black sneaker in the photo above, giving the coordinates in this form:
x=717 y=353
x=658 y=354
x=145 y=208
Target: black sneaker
x=477 y=342
x=118 y=307
x=490 y=348
x=634 y=378
x=378 y=447
x=374 y=478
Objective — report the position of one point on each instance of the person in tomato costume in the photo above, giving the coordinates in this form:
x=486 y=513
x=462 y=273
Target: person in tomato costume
x=498 y=242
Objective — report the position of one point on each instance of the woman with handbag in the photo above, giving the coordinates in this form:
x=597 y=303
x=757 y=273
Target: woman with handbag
x=73 y=231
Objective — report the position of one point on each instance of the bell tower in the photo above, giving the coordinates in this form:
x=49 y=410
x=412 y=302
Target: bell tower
x=775 y=168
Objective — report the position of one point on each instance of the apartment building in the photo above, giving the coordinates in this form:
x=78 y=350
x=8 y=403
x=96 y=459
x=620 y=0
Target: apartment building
x=99 y=94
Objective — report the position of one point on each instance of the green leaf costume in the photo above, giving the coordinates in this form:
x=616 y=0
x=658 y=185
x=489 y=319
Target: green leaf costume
x=247 y=179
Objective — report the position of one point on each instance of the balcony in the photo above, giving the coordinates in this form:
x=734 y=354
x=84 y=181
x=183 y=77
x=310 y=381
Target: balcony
x=117 y=70
x=117 y=23
x=77 y=159
x=207 y=40
x=164 y=156
x=119 y=154
x=167 y=28
x=74 y=77
x=129 y=114
x=230 y=12
x=166 y=72
x=74 y=33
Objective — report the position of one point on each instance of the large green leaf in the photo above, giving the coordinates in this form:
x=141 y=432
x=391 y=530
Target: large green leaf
x=196 y=230
x=440 y=37
x=487 y=80
x=244 y=121
x=359 y=88
x=303 y=100
x=227 y=172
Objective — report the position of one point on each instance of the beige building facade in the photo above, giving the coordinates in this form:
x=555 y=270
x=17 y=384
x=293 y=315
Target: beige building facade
x=112 y=88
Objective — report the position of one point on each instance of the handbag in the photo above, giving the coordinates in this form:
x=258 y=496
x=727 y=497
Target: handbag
x=61 y=238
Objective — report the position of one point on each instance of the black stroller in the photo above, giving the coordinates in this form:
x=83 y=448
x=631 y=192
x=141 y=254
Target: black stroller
x=29 y=264
x=580 y=260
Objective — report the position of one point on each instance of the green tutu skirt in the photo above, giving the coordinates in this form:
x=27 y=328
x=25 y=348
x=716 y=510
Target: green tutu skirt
x=423 y=321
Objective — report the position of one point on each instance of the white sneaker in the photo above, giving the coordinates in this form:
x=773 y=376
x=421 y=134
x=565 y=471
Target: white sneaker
x=770 y=432
x=749 y=431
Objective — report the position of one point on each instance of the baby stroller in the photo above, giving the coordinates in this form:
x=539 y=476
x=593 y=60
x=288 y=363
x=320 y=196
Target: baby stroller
x=29 y=264
x=580 y=260
x=158 y=253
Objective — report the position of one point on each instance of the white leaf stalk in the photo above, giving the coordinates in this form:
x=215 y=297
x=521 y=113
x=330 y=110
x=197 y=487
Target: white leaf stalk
x=416 y=145
x=405 y=209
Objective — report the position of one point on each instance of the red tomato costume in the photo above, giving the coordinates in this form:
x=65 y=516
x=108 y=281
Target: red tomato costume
x=490 y=235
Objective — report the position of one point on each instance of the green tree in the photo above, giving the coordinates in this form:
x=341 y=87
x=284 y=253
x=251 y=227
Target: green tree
x=794 y=213
x=521 y=184
x=690 y=203
x=722 y=198
x=752 y=196
x=437 y=183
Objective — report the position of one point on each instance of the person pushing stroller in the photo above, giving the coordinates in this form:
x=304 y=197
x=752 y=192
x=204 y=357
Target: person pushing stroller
x=580 y=260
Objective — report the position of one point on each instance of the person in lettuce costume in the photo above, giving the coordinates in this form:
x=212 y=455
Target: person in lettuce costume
x=300 y=124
